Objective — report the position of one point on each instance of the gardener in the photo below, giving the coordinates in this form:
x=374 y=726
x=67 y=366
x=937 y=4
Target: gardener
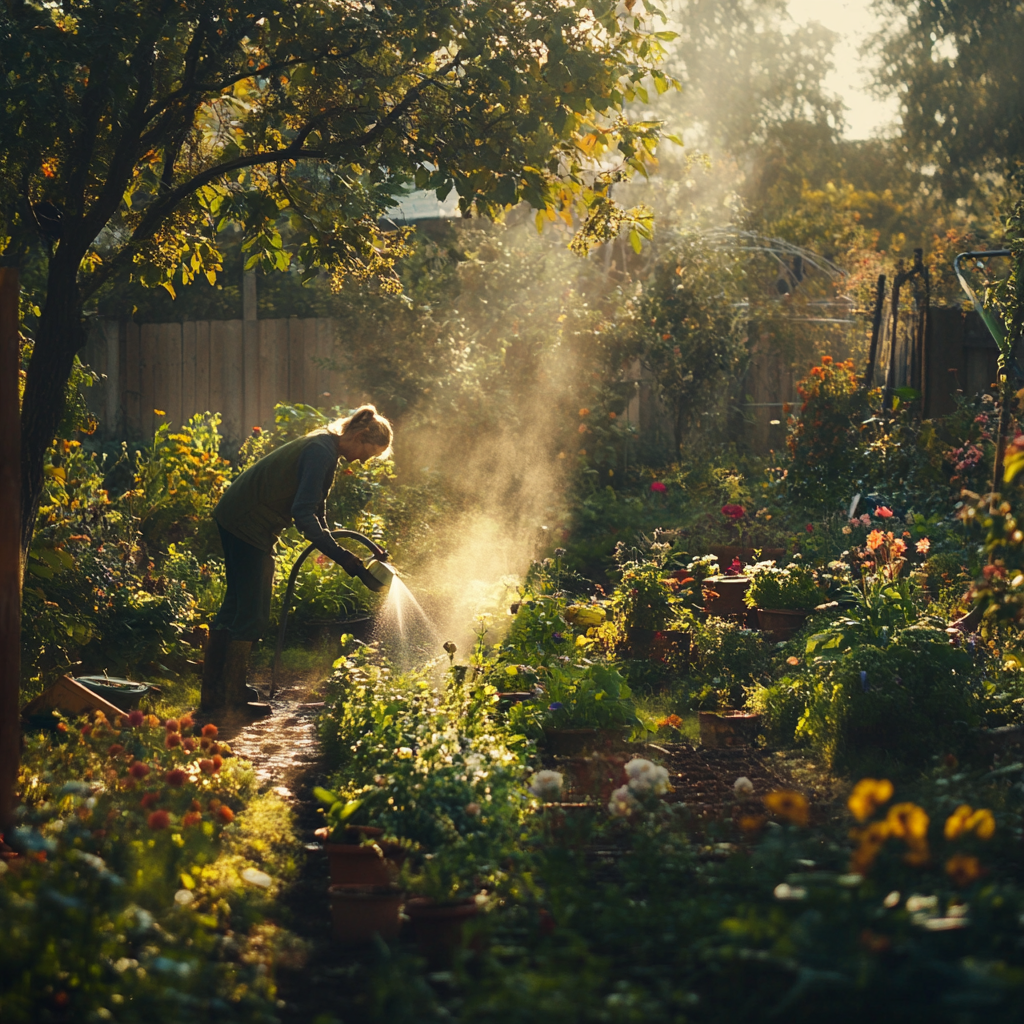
x=290 y=483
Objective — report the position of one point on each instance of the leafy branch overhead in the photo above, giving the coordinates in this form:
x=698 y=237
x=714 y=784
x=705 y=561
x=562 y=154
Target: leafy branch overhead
x=135 y=133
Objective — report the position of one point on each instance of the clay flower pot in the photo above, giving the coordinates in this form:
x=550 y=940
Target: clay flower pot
x=437 y=928
x=360 y=912
x=723 y=596
x=720 y=729
x=357 y=865
x=782 y=623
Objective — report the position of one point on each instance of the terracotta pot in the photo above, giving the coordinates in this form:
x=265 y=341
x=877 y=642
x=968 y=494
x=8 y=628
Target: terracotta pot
x=360 y=912
x=782 y=623
x=574 y=742
x=437 y=928
x=596 y=776
x=723 y=596
x=357 y=865
x=720 y=729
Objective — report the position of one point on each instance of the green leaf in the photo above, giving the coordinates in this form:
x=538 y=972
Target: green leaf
x=634 y=240
x=325 y=796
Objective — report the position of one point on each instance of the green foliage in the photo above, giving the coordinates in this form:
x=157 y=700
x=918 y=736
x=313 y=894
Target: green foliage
x=584 y=697
x=772 y=586
x=124 y=896
x=642 y=599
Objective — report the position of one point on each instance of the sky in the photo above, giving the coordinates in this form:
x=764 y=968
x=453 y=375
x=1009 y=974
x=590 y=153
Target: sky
x=855 y=22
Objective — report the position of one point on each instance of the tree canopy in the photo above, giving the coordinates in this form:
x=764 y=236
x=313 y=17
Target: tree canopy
x=135 y=132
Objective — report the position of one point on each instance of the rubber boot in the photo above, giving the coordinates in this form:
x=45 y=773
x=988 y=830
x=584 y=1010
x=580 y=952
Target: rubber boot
x=236 y=668
x=214 y=696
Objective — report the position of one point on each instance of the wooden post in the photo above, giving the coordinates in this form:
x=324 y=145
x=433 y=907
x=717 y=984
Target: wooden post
x=10 y=547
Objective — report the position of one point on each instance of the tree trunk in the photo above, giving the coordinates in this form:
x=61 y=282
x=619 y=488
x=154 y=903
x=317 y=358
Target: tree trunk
x=10 y=560
x=60 y=335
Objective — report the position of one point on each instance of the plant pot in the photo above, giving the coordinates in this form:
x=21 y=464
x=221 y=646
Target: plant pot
x=782 y=623
x=507 y=700
x=360 y=912
x=357 y=865
x=722 y=729
x=575 y=742
x=438 y=928
x=723 y=596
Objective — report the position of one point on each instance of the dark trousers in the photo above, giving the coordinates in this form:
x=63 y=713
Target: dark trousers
x=245 y=613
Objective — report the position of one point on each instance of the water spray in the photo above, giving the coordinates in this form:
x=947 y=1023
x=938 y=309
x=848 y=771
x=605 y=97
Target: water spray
x=378 y=567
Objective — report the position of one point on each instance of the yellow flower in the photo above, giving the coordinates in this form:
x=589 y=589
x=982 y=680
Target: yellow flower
x=867 y=796
x=908 y=821
x=963 y=869
x=982 y=823
x=955 y=822
x=789 y=805
x=872 y=839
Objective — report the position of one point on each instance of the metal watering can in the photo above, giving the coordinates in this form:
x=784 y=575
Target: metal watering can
x=377 y=566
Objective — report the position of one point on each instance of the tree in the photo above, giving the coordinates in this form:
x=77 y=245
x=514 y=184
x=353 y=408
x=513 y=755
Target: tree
x=956 y=67
x=135 y=132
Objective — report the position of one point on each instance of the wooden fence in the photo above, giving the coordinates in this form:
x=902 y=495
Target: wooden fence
x=240 y=368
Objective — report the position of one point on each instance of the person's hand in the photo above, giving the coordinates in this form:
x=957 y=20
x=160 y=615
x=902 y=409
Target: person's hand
x=349 y=562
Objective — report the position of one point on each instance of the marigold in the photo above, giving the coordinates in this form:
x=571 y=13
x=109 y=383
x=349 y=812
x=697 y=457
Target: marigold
x=789 y=805
x=206 y=766
x=225 y=814
x=159 y=819
x=908 y=821
x=138 y=770
x=210 y=730
x=875 y=540
x=867 y=796
x=963 y=869
x=175 y=777
x=172 y=740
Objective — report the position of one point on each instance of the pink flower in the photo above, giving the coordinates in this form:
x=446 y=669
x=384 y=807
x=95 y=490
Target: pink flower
x=136 y=718
x=734 y=512
x=809 y=527
x=885 y=513
x=923 y=545
x=865 y=520
x=658 y=487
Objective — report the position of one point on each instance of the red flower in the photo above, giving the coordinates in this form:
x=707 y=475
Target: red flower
x=176 y=777
x=734 y=512
x=225 y=814
x=884 y=512
x=172 y=740
x=191 y=818
x=188 y=744
x=148 y=800
x=658 y=487
x=136 y=718
x=809 y=527
x=218 y=762
x=138 y=770
x=159 y=819
x=206 y=766
x=210 y=730
x=256 y=431
x=171 y=725
x=86 y=729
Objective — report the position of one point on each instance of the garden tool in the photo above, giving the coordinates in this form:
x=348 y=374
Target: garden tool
x=377 y=567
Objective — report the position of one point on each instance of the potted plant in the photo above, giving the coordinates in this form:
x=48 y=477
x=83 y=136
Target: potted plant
x=358 y=912
x=643 y=605
x=783 y=596
x=356 y=853
x=582 y=707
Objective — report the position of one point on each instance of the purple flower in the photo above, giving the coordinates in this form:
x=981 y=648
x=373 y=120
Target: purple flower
x=555 y=706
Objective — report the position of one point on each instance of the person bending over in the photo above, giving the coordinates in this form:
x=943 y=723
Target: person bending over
x=289 y=484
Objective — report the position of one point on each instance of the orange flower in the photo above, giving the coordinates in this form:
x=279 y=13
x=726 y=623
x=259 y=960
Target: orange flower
x=159 y=819
x=923 y=545
x=875 y=540
x=963 y=869
x=191 y=818
x=789 y=805
x=898 y=547
x=751 y=822
x=225 y=814
x=965 y=819
x=867 y=796
x=210 y=730
x=872 y=839
x=672 y=722
x=908 y=821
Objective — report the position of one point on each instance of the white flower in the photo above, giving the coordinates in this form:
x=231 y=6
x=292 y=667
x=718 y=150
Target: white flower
x=622 y=803
x=547 y=785
x=404 y=752
x=743 y=787
x=646 y=777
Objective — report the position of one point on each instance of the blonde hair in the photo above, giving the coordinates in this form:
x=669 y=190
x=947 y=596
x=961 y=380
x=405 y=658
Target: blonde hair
x=366 y=425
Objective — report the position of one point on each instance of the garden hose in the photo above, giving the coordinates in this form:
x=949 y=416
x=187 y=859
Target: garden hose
x=376 y=550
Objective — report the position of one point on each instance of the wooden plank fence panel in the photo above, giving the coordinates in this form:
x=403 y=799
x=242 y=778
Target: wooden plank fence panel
x=251 y=379
x=268 y=371
x=296 y=359
x=230 y=335
x=280 y=393
x=202 y=395
x=322 y=386
x=147 y=378
x=188 y=370
x=216 y=343
x=112 y=385
x=132 y=380
x=169 y=368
